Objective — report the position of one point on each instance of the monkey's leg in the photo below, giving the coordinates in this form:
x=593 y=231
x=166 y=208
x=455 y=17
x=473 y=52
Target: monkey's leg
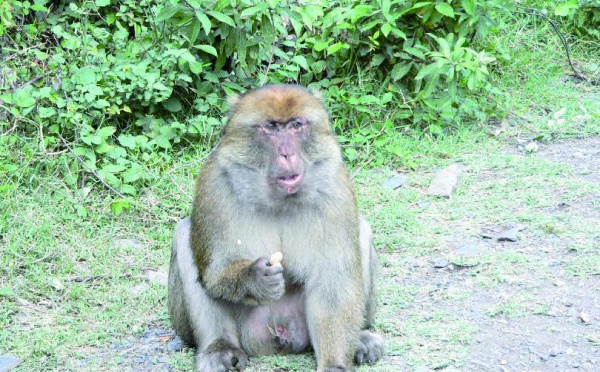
x=199 y=319
x=371 y=345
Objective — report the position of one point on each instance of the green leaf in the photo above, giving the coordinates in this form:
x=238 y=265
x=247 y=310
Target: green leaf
x=386 y=29
x=563 y=9
x=166 y=13
x=119 y=205
x=400 y=70
x=163 y=141
x=427 y=70
x=446 y=9
x=301 y=61
x=113 y=168
x=415 y=52
x=194 y=31
x=22 y=98
x=106 y=132
x=133 y=174
x=127 y=140
x=101 y=3
x=173 y=104
x=321 y=45
x=224 y=18
x=80 y=210
x=85 y=76
x=205 y=21
x=196 y=67
x=208 y=49
x=334 y=48
x=468 y=6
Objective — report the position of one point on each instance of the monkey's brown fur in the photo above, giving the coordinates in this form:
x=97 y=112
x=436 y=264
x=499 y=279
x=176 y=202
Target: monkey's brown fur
x=277 y=182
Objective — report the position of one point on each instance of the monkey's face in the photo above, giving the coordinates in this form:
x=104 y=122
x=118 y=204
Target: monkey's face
x=280 y=132
x=283 y=140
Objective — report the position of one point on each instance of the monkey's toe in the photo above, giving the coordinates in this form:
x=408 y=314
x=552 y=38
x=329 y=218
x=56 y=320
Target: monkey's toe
x=370 y=348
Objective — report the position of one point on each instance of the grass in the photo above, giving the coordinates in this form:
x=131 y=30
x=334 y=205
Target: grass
x=73 y=275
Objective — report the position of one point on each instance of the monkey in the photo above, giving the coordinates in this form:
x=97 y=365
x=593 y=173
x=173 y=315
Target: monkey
x=275 y=257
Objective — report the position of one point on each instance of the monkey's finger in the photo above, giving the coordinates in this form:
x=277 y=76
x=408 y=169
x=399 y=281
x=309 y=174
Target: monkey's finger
x=274 y=270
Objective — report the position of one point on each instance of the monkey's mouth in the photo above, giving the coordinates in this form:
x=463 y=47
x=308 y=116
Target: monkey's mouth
x=290 y=183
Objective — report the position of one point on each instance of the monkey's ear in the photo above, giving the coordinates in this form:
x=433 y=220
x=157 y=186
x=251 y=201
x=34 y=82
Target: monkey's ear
x=232 y=101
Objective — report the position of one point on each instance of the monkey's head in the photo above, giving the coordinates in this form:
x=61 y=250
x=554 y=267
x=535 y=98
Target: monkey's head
x=278 y=138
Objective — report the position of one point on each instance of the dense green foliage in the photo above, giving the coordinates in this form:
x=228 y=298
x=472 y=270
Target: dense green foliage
x=118 y=84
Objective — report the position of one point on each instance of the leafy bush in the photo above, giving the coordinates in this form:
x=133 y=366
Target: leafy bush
x=581 y=16
x=119 y=83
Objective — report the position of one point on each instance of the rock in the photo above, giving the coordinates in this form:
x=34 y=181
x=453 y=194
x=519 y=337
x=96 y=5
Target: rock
x=506 y=233
x=175 y=345
x=440 y=262
x=532 y=147
x=584 y=317
x=395 y=182
x=137 y=289
x=509 y=235
x=8 y=362
x=470 y=249
x=158 y=277
x=445 y=181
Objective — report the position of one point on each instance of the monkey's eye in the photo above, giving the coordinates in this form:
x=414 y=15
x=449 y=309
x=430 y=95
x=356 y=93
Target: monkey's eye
x=270 y=126
x=297 y=124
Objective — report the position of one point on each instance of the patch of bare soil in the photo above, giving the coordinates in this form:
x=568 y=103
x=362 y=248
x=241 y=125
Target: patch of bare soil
x=564 y=333
x=565 y=336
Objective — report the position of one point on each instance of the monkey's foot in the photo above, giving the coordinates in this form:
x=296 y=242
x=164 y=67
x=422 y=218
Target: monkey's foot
x=370 y=348
x=221 y=356
x=333 y=369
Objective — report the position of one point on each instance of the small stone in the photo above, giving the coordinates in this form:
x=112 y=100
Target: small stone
x=158 y=277
x=395 y=182
x=175 y=345
x=8 y=362
x=504 y=362
x=509 y=235
x=532 y=147
x=137 y=289
x=584 y=317
x=440 y=262
x=446 y=180
x=470 y=249
x=554 y=352
x=569 y=351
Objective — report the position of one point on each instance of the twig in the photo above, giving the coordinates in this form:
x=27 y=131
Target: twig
x=179 y=186
x=89 y=278
x=536 y=12
x=360 y=167
x=90 y=169
x=29 y=82
x=269 y=65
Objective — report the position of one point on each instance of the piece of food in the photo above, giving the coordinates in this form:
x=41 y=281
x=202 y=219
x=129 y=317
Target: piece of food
x=276 y=258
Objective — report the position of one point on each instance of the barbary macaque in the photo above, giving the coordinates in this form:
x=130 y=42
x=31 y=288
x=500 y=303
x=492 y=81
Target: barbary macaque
x=275 y=257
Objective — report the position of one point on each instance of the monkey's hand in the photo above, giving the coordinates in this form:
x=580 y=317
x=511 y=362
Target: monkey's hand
x=266 y=281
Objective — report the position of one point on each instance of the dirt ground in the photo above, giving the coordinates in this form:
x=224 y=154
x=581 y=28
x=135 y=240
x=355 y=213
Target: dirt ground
x=563 y=337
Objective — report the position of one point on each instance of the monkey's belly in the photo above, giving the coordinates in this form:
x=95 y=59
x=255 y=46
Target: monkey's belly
x=276 y=328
